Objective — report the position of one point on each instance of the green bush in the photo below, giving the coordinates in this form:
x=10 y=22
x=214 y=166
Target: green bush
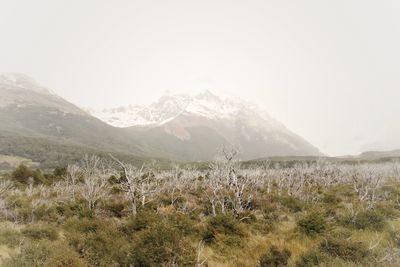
x=312 y=258
x=25 y=175
x=161 y=245
x=38 y=232
x=45 y=213
x=65 y=258
x=115 y=208
x=60 y=171
x=275 y=258
x=84 y=225
x=222 y=224
x=45 y=253
x=312 y=224
x=100 y=242
x=388 y=209
x=143 y=220
x=183 y=223
x=31 y=255
x=22 y=174
x=345 y=249
x=293 y=204
x=369 y=219
x=330 y=198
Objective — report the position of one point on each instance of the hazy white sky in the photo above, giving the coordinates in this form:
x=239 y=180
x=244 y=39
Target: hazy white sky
x=329 y=70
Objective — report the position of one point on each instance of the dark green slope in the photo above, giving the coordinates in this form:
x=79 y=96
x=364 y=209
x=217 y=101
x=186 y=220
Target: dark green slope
x=74 y=129
x=204 y=143
x=50 y=130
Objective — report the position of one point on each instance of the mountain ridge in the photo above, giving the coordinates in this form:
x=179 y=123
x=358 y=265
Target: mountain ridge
x=227 y=121
x=169 y=106
x=176 y=127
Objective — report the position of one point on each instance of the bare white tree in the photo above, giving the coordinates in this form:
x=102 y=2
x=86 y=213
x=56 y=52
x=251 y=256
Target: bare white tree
x=200 y=260
x=71 y=178
x=5 y=186
x=135 y=182
x=96 y=175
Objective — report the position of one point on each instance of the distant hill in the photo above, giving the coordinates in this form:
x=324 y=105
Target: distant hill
x=380 y=154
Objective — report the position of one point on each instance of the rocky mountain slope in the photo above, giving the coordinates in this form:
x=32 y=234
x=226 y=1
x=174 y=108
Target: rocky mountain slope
x=196 y=127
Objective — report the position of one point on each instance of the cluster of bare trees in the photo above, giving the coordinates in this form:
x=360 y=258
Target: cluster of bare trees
x=225 y=184
x=229 y=187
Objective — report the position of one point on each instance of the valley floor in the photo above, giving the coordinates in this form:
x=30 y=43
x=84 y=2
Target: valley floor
x=102 y=212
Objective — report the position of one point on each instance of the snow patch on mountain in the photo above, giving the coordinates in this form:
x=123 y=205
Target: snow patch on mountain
x=169 y=106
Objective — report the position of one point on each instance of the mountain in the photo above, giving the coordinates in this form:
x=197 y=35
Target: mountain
x=19 y=90
x=39 y=125
x=197 y=127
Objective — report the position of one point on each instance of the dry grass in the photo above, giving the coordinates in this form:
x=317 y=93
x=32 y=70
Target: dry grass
x=14 y=161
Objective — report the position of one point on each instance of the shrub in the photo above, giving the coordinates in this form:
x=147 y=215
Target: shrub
x=65 y=259
x=37 y=232
x=345 y=249
x=83 y=225
x=22 y=174
x=60 y=171
x=64 y=256
x=223 y=224
x=115 y=208
x=369 y=219
x=45 y=253
x=293 y=204
x=25 y=175
x=388 y=209
x=331 y=198
x=183 y=223
x=160 y=245
x=312 y=224
x=30 y=255
x=23 y=208
x=143 y=220
x=275 y=258
x=312 y=258
x=45 y=213
x=100 y=242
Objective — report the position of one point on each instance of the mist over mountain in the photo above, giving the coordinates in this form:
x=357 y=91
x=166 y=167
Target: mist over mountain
x=169 y=106
x=19 y=90
x=197 y=126
x=177 y=127
x=39 y=125
x=42 y=126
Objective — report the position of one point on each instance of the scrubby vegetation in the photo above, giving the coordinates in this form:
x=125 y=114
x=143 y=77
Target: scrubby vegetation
x=104 y=212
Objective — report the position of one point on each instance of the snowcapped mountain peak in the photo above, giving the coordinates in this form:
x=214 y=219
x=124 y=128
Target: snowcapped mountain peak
x=169 y=106
x=22 y=81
